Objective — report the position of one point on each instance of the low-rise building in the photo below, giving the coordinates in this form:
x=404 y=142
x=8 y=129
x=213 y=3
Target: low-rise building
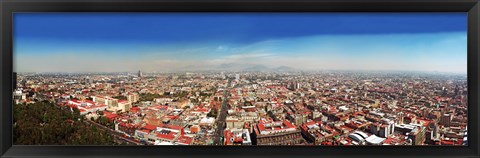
x=269 y=132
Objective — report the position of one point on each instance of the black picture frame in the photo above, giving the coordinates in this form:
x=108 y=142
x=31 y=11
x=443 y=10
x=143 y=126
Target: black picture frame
x=10 y=6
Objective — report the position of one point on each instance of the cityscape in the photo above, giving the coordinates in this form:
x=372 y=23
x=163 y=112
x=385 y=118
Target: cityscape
x=250 y=81
x=263 y=108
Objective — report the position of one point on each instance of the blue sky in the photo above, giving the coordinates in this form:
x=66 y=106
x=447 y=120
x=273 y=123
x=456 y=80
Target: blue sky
x=118 y=42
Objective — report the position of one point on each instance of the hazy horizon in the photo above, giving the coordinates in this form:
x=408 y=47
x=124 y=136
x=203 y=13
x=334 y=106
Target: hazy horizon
x=243 y=71
x=96 y=42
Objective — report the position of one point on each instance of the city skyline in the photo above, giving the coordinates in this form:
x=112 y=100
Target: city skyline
x=167 y=42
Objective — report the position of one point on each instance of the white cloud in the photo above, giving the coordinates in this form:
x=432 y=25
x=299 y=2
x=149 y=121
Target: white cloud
x=222 y=48
x=246 y=56
x=194 y=50
x=309 y=53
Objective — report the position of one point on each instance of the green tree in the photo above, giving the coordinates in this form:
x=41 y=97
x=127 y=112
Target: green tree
x=44 y=123
x=120 y=97
x=213 y=113
x=149 y=96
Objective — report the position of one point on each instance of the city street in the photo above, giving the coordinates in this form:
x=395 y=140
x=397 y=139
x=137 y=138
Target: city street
x=117 y=135
x=222 y=116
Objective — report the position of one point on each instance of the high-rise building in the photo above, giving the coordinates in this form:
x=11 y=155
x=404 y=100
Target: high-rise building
x=111 y=102
x=417 y=135
x=124 y=105
x=237 y=77
x=446 y=119
x=132 y=97
x=223 y=75
x=88 y=80
x=140 y=73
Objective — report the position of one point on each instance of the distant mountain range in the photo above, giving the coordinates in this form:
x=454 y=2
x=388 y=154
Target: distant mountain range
x=256 y=67
x=237 y=67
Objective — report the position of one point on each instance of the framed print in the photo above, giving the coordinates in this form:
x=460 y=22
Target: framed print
x=239 y=78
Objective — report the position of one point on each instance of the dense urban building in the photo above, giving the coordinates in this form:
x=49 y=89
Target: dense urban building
x=262 y=108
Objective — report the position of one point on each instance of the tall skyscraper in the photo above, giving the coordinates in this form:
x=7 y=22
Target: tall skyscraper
x=223 y=75
x=88 y=80
x=140 y=73
x=446 y=119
